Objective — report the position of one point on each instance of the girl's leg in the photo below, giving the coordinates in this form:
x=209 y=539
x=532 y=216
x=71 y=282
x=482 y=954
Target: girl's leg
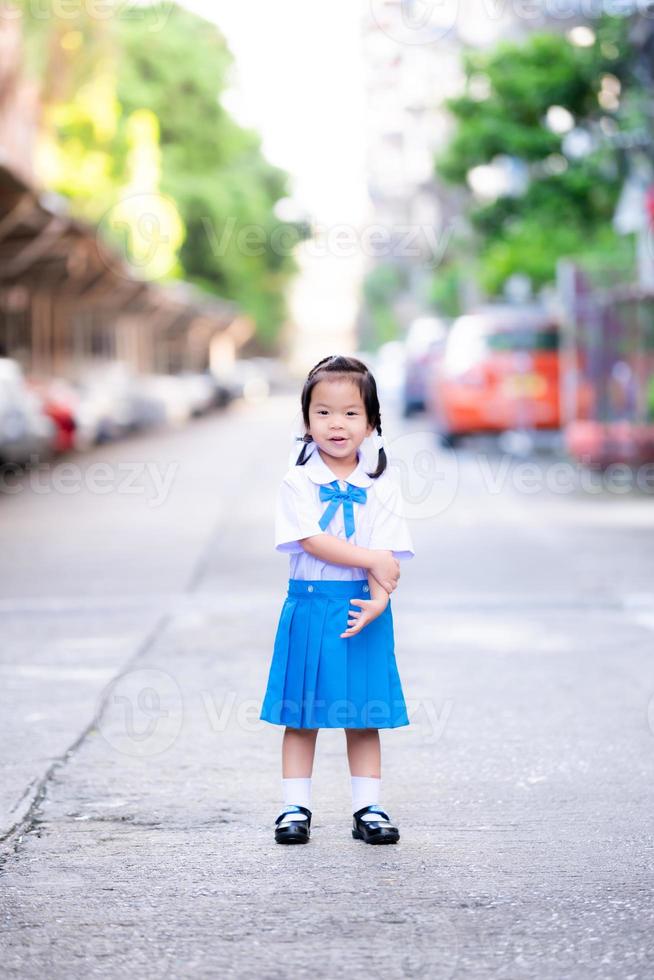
x=369 y=818
x=364 y=756
x=364 y=752
x=298 y=750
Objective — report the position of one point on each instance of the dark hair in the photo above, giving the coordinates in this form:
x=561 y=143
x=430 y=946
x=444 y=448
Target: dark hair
x=350 y=369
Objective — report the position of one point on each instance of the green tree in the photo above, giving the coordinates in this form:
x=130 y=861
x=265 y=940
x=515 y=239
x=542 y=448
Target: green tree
x=100 y=79
x=213 y=168
x=568 y=204
x=381 y=287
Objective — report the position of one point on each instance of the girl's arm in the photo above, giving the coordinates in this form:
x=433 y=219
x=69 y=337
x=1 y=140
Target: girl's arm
x=381 y=564
x=369 y=609
x=329 y=548
x=377 y=591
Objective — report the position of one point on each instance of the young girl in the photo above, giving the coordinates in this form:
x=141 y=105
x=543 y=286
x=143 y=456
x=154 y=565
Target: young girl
x=333 y=663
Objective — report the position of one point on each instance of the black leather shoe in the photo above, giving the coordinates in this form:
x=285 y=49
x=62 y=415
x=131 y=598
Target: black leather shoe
x=380 y=831
x=293 y=831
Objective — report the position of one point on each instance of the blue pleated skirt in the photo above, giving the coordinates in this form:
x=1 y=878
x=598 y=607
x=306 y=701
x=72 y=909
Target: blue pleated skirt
x=317 y=678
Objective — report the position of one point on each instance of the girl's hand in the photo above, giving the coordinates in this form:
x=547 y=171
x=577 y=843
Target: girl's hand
x=386 y=570
x=358 y=618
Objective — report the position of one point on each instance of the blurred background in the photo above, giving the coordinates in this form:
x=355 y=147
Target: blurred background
x=462 y=196
x=198 y=201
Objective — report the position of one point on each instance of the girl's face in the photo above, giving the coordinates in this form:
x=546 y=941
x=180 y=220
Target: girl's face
x=337 y=418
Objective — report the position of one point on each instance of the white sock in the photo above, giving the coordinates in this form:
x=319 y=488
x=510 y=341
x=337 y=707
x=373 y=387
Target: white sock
x=365 y=790
x=297 y=790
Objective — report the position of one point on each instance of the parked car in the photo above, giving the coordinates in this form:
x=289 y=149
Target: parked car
x=58 y=401
x=246 y=378
x=27 y=434
x=424 y=342
x=115 y=402
x=200 y=389
x=95 y=414
x=171 y=394
x=388 y=367
x=87 y=406
x=275 y=372
x=499 y=371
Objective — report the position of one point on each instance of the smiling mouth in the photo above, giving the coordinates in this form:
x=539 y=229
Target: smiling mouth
x=337 y=439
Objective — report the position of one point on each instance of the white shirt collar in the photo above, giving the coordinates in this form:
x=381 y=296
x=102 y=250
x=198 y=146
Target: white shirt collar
x=319 y=472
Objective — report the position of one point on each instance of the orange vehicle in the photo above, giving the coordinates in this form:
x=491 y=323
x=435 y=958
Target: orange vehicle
x=499 y=371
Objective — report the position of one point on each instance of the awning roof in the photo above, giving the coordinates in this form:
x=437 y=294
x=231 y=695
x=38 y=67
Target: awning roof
x=42 y=246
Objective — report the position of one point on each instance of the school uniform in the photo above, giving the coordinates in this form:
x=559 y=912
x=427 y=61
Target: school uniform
x=318 y=679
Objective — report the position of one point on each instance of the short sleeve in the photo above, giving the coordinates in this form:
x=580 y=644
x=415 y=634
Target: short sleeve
x=296 y=517
x=390 y=531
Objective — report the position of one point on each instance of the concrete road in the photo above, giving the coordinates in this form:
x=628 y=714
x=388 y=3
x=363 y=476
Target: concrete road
x=140 y=595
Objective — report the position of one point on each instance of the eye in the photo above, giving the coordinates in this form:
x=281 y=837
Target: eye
x=323 y=411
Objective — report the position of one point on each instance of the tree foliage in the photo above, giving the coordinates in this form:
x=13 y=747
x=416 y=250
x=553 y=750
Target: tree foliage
x=568 y=204
x=98 y=76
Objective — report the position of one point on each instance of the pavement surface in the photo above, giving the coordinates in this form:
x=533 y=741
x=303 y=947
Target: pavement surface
x=139 y=600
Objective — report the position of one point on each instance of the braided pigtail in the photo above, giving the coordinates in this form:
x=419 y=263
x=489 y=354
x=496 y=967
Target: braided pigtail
x=382 y=460
x=302 y=458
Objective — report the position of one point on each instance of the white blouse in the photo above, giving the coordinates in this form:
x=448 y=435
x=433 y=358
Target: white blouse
x=378 y=523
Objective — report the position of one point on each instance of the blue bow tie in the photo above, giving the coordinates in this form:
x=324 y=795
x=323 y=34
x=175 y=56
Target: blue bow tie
x=336 y=496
